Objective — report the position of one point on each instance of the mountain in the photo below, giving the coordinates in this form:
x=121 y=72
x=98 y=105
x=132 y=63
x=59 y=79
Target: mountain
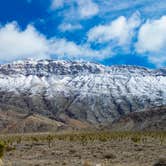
x=79 y=92
x=153 y=119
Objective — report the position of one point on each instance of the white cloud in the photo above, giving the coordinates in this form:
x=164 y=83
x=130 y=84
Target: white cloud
x=56 y=4
x=87 y=8
x=64 y=27
x=29 y=43
x=152 y=36
x=120 y=30
x=152 y=41
x=82 y=8
x=18 y=44
x=64 y=48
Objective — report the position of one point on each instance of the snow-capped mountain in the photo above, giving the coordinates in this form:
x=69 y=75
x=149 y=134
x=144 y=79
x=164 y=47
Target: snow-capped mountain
x=80 y=90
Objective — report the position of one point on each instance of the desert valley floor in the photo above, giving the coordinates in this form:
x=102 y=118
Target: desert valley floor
x=85 y=150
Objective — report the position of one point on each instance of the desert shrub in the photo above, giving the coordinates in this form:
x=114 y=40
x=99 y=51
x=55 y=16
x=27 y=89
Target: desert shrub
x=35 y=139
x=10 y=148
x=18 y=140
x=136 y=139
x=2 y=148
x=50 y=139
x=109 y=155
x=85 y=137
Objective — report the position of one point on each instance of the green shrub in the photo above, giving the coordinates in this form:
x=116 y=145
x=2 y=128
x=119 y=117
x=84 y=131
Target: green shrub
x=2 y=149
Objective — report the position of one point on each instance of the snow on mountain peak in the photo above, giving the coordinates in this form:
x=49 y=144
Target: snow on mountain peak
x=84 y=90
x=61 y=67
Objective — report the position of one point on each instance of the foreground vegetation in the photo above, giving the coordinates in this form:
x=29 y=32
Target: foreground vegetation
x=82 y=144
x=137 y=137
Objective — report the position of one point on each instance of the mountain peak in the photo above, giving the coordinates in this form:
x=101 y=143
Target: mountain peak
x=80 y=90
x=60 y=67
x=48 y=67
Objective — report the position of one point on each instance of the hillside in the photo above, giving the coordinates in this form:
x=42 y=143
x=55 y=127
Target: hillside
x=80 y=93
x=153 y=119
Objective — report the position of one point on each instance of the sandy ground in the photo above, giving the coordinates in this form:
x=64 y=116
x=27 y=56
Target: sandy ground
x=94 y=153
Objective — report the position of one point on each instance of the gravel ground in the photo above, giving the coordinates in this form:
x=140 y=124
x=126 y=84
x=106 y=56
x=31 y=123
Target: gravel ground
x=94 y=153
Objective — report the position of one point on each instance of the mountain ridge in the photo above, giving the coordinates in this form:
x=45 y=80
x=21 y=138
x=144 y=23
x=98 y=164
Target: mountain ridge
x=84 y=91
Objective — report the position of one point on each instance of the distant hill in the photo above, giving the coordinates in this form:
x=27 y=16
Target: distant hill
x=148 y=120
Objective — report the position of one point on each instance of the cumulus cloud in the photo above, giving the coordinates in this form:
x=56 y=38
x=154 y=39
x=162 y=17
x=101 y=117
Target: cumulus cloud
x=64 y=27
x=82 y=8
x=120 y=30
x=87 y=8
x=29 y=43
x=17 y=44
x=152 y=41
x=67 y=49
x=152 y=36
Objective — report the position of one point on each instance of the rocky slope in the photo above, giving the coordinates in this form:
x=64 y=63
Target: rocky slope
x=81 y=91
x=153 y=119
x=14 y=122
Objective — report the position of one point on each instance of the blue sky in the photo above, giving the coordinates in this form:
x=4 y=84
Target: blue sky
x=110 y=32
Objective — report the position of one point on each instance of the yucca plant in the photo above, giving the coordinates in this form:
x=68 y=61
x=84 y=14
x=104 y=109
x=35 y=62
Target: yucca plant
x=2 y=149
x=49 y=139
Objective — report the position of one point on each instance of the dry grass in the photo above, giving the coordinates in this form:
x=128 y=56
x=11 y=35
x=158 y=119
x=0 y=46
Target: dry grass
x=84 y=148
x=136 y=137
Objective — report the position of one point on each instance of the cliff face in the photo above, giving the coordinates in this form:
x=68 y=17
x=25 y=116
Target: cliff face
x=82 y=91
